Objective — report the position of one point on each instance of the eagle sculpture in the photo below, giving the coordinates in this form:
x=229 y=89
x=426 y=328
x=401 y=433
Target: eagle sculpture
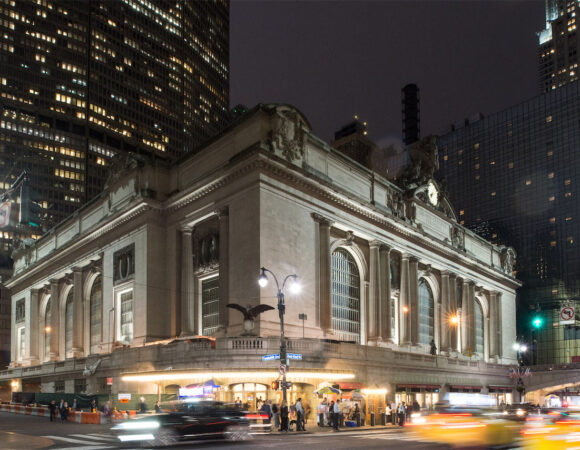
x=250 y=313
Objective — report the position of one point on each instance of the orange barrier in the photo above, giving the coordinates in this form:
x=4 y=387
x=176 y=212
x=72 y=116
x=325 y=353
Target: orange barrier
x=91 y=417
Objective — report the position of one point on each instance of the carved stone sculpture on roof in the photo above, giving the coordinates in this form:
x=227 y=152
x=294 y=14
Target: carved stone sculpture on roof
x=424 y=162
x=288 y=134
x=457 y=237
x=508 y=259
x=121 y=163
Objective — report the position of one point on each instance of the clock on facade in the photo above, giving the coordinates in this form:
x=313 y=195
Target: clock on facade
x=432 y=193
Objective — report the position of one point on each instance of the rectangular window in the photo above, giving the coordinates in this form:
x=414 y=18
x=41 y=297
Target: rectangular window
x=210 y=302
x=80 y=385
x=59 y=386
x=125 y=304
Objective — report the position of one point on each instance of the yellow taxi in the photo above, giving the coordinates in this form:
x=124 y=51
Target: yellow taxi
x=556 y=430
x=468 y=427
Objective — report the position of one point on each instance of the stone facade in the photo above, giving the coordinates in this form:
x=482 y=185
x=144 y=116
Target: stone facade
x=137 y=283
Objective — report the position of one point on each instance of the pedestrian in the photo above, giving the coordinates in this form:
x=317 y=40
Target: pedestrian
x=336 y=411
x=157 y=407
x=331 y=414
x=266 y=410
x=401 y=413
x=238 y=403
x=393 y=413
x=52 y=410
x=284 y=416
x=276 y=416
x=93 y=406
x=142 y=406
x=299 y=415
x=307 y=410
x=61 y=404
x=74 y=405
x=64 y=412
x=388 y=413
x=356 y=415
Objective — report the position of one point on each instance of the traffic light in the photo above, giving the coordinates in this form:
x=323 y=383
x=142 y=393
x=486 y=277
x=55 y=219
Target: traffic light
x=275 y=385
x=537 y=322
x=31 y=210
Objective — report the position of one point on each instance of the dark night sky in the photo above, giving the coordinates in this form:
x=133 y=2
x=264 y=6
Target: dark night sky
x=332 y=59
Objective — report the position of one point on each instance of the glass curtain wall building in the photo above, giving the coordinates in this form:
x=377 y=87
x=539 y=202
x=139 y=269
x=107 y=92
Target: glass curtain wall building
x=513 y=177
x=84 y=81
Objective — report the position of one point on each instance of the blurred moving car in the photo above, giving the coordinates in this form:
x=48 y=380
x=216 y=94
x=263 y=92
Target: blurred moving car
x=556 y=430
x=466 y=427
x=519 y=411
x=188 y=419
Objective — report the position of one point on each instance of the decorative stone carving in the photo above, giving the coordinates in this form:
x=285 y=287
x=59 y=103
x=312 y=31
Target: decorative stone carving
x=424 y=163
x=395 y=203
x=458 y=237
x=124 y=264
x=349 y=239
x=395 y=261
x=288 y=135
x=508 y=258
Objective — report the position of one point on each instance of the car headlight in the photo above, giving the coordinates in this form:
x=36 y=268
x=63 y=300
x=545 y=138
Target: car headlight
x=520 y=412
x=137 y=425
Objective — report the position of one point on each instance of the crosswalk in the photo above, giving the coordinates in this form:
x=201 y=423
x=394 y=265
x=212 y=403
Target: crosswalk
x=91 y=441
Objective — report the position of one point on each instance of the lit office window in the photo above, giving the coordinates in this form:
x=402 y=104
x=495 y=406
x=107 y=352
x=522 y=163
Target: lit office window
x=345 y=282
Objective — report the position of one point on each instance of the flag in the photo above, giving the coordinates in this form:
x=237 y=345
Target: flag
x=4 y=214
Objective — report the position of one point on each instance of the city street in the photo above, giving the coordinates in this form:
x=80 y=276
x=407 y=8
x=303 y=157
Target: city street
x=29 y=432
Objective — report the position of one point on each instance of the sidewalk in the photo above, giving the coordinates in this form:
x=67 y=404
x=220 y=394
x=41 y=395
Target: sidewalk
x=315 y=429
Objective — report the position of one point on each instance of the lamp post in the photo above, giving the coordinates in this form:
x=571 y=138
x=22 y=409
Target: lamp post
x=295 y=289
x=520 y=348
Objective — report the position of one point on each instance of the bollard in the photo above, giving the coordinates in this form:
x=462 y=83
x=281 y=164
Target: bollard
x=383 y=419
x=372 y=419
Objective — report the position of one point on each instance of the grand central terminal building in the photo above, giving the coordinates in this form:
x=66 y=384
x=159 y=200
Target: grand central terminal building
x=398 y=300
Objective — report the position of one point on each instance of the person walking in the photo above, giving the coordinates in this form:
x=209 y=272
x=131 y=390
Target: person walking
x=142 y=406
x=52 y=410
x=276 y=416
x=157 y=407
x=284 y=418
x=336 y=411
x=299 y=416
x=64 y=412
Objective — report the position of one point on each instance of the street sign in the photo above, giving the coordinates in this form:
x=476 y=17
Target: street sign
x=109 y=381
x=282 y=369
x=271 y=357
x=294 y=356
x=567 y=315
x=124 y=398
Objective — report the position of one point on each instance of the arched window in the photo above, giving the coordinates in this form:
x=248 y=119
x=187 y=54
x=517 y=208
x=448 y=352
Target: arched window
x=96 y=310
x=47 y=328
x=345 y=281
x=68 y=322
x=478 y=310
x=426 y=313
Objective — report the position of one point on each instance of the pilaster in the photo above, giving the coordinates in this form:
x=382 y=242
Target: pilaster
x=324 y=292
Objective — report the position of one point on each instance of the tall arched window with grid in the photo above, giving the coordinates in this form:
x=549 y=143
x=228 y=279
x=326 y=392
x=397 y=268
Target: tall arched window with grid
x=68 y=324
x=345 y=289
x=96 y=310
x=426 y=313
x=478 y=312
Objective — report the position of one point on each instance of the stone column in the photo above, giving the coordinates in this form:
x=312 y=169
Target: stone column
x=444 y=315
x=471 y=317
x=78 y=322
x=414 y=299
x=35 y=331
x=464 y=317
x=54 y=320
x=499 y=327
x=324 y=292
x=454 y=312
x=187 y=300
x=486 y=339
x=494 y=325
x=386 y=329
x=375 y=293
x=404 y=299
x=224 y=243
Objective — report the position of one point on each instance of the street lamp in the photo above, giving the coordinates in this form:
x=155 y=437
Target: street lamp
x=294 y=289
x=520 y=348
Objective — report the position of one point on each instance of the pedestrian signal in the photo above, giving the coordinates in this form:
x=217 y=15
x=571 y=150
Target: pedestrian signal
x=275 y=385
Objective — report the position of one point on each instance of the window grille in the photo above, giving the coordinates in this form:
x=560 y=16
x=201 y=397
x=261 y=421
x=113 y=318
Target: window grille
x=426 y=313
x=345 y=315
x=69 y=319
x=126 y=318
x=210 y=302
x=96 y=310
x=80 y=385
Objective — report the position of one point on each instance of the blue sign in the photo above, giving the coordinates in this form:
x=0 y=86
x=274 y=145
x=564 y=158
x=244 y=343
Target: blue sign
x=272 y=357
x=294 y=356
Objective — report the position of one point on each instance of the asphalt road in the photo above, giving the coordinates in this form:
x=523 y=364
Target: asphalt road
x=29 y=432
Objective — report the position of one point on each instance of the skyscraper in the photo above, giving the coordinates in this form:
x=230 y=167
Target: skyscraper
x=513 y=177
x=83 y=81
x=558 y=45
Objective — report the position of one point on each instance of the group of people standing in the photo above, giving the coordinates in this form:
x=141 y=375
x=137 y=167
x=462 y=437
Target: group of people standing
x=400 y=413
x=284 y=416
